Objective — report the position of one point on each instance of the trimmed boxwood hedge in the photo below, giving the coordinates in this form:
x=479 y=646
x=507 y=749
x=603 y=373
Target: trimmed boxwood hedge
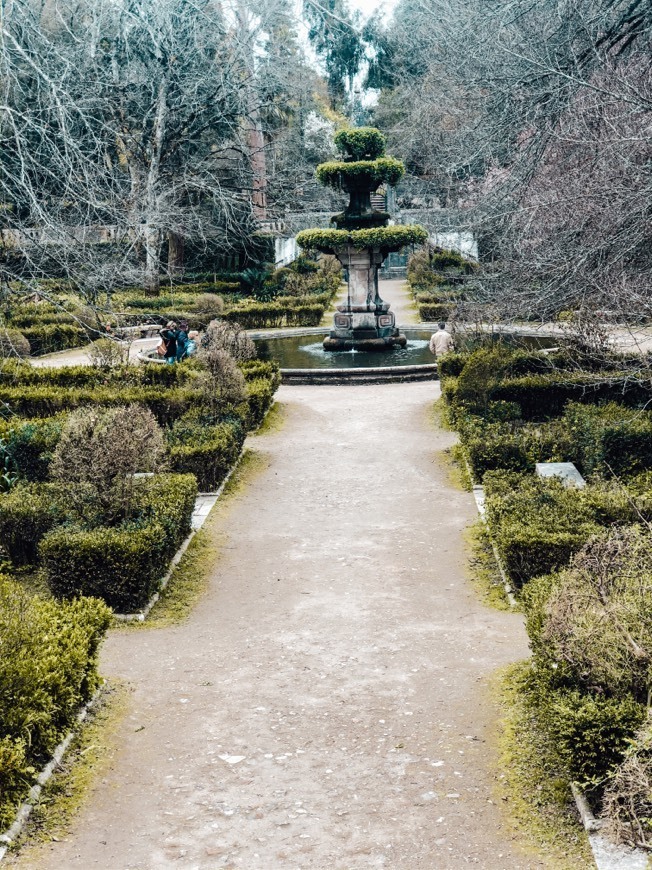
x=30 y=444
x=544 y=396
x=15 y=373
x=610 y=438
x=260 y=395
x=255 y=369
x=208 y=452
x=123 y=565
x=513 y=446
x=27 y=513
x=269 y=315
x=432 y=312
x=49 y=669
x=536 y=525
x=51 y=337
x=44 y=401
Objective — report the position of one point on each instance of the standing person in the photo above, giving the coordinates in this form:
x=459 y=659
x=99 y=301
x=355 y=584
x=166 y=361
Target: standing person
x=182 y=340
x=169 y=336
x=441 y=341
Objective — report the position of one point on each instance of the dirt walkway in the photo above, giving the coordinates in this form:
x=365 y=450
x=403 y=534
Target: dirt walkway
x=325 y=705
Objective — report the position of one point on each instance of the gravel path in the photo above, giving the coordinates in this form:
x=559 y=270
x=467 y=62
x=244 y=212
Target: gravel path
x=325 y=706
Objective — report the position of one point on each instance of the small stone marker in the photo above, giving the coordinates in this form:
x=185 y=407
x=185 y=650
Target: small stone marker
x=569 y=475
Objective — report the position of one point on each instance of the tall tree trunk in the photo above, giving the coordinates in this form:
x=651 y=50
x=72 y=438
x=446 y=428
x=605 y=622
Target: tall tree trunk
x=176 y=245
x=152 y=231
x=258 y=166
x=152 y=237
x=254 y=130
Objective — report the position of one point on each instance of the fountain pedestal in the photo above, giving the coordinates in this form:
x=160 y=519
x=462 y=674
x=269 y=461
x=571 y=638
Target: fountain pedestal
x=364 y=321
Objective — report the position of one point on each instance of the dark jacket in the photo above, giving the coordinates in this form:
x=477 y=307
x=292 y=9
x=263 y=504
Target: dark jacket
x=169 y=336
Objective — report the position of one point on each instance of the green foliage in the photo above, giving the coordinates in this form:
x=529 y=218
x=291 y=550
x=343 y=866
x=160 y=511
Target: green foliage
x=434 y=312
x=27 y=513
x=481 y=376
x=429 y=271
x=207 y=451
x=52 y=337
x=304 y=279
x=419 y=273
x=269 y=315
x=611 y=437
x=260 y=395
x=544 y=396
x=590 y=732
x=30 y=444
x=253 y=369
x=361 y=174
x=360 y=143
x=386 y=239
x=48 y=670
x=47 y=401
x=511 y=445
x=537 y=525
x=123 y=565
x=441 y=260
x=451 y=365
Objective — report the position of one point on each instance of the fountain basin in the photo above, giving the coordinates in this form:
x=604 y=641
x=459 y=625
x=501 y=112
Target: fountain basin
x=303 y=359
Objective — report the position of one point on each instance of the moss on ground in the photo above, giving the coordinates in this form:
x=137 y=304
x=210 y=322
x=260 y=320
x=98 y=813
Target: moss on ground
x=191 y=577
x=274 y=420
x=440 y=415
x=187 y=584
x=483 y=569
x=452 y=460
x=88 y=759
x=538 y=804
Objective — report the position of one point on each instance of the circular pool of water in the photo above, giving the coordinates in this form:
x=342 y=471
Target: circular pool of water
x=305 y=351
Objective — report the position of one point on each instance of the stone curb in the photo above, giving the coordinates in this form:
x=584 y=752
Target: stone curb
x=198 y=520
x=25 y=809
x=478 y=495
x=199 y=517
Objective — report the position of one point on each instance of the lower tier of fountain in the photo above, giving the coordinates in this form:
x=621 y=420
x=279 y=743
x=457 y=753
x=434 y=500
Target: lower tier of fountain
x=301 y=356
x=303 y=359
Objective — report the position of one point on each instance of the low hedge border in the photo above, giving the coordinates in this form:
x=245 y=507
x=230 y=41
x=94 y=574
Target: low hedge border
x=122 y=565
x=270 y=315
x=49 y=670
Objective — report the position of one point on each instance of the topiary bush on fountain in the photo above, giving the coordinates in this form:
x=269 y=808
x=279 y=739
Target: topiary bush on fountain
x=361 y=171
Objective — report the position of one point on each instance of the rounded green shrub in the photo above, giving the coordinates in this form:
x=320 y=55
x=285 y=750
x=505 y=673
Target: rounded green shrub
x=361 y=143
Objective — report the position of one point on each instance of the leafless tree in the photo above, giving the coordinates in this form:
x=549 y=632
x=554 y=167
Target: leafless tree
x=130 y=128
x=534 y=120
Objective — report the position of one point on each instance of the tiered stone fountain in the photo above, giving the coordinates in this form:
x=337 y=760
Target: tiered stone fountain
x=362 y=240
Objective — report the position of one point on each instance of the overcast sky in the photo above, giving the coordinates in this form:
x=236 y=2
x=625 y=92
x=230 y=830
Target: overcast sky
x=369 y=6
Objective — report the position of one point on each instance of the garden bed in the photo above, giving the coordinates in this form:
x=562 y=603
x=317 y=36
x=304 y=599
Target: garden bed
x=579 y=558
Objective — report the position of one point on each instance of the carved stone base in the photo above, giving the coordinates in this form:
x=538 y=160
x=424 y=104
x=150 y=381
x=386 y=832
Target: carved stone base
x=371 y=344
x=364 y=321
